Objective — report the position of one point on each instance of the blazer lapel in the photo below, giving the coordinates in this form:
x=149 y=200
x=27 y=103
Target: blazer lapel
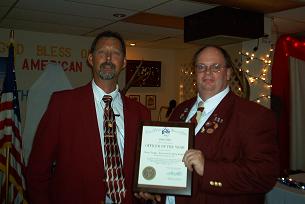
x=213 y=127
x=186 y=109
x=129 y=122
x=91 y=130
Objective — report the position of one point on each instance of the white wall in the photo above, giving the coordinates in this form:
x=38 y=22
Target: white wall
x=71 y=50
x=33 y=52
x=167 y=91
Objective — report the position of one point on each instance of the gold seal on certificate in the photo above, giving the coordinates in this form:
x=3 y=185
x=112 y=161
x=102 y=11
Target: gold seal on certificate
x=159 y=166
x=149 y=173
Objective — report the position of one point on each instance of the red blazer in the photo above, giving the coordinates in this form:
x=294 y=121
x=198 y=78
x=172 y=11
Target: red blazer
x=68 y=134
x=241 y=153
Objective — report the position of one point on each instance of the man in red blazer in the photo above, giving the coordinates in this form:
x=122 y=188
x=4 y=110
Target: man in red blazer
x=235 y=157
x=70 y=134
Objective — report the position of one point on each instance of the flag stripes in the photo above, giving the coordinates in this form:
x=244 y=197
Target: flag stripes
x=11 y=159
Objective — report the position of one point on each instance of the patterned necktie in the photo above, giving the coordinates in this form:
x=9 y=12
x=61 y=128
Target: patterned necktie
x=196 y=117
x=115 y=180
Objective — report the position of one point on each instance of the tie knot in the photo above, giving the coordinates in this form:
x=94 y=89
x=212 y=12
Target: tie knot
x=200 y=106
x=107 y=98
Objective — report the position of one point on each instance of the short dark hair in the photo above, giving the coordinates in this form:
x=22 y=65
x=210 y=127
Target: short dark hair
x=228 y=61
x=109 y=34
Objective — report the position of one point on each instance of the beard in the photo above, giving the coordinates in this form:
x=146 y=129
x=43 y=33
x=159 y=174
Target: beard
x=106 y=75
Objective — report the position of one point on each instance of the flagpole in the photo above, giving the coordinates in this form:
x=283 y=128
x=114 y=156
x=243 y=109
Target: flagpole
x=8 y=147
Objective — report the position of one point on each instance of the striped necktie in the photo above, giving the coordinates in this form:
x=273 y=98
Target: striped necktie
x=196 y=117
x=115 y=180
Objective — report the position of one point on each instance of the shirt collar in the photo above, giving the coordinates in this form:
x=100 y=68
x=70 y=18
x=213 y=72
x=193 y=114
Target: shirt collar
x=99 y=93
x=211 y=103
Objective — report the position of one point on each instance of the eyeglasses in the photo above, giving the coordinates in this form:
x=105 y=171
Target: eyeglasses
x=213 y=68
x=104 y=53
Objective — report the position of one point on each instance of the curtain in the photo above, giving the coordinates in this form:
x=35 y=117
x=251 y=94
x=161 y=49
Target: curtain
x=286 y=47
x=297 y=122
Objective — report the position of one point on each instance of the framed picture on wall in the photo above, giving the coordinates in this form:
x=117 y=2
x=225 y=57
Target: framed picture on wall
x=135 y=97
x=148 y=75
x=150 y=102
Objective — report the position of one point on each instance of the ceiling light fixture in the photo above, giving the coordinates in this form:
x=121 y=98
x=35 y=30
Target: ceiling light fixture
x=132 y=44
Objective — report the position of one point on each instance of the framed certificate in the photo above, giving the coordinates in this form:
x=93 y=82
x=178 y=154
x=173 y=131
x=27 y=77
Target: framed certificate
x=159 y=167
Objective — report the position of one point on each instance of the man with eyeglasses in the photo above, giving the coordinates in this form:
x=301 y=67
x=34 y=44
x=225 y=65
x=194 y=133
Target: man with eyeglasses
x=235 y=157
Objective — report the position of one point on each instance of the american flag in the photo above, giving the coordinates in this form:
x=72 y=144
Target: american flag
x=10 y=137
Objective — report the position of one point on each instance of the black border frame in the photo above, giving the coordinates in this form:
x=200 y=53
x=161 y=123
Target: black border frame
x=155 y=189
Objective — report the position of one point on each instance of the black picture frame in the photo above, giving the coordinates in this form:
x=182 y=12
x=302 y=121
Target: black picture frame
x=135 y=97
x=148 y=75
x=151 y=101
x=161 y=188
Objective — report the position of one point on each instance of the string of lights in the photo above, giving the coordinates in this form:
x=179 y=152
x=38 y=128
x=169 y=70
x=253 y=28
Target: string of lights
x=292 y=183
x=266 y=63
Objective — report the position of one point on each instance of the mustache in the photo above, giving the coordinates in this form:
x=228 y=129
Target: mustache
x=112 y=66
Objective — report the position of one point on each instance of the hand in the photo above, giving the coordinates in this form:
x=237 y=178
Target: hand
x=194 y=160
x=148 y=196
